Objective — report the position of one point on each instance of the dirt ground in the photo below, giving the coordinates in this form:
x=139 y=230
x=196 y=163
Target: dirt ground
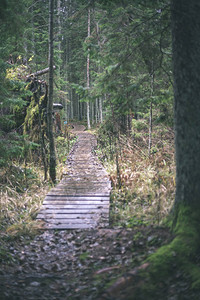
x=85 y=264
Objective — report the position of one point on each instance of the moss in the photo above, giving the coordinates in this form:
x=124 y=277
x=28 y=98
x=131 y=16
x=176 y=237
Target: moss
x=83 y=256
x=42 y=98
x=180 y=253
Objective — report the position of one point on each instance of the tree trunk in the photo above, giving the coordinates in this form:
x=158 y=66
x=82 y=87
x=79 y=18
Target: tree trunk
x=99 y=70
x=88 y=75
x=59 y=36
x=151 y=111
x=186 y=225
x=186 y=64
x=52 y=162
x=101 y=109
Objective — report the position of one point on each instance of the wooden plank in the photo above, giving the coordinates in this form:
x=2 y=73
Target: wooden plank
x=76 y=204
x=69 y=226
x=79 y=186
x=69 y=217
x=72 y=214
x=79 y=206
x=81 y=198
x=73 y=210
x=61 y=193
x=69 y=211
x=70 y=221
x=84 y=182
x=81 y=190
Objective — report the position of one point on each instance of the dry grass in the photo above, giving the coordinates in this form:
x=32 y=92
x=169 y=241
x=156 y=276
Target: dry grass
x=21 y=197
x=146 y=194
x=23 y=189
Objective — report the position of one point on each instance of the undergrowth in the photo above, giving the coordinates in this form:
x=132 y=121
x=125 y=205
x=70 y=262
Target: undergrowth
x=22 y=191
x=143 y=185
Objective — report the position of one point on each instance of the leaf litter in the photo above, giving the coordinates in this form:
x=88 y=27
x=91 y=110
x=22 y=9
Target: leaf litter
x=78 y=264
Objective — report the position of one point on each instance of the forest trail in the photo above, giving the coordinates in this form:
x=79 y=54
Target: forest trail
x=85 y=262
x=81 y=199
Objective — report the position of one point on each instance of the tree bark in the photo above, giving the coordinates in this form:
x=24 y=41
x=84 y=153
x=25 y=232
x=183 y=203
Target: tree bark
x=151 y=110
x=59 y=35
x=88 y=74
x=52 y=163
x=186 y=67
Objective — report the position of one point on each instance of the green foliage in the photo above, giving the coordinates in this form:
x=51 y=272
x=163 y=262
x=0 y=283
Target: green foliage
x=139 y=125
x=83 y=256
x=63 y=145
x=11 y=146
x=5 y=256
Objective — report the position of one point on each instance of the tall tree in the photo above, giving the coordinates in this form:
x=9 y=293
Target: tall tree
x=88 y=73
x=52 y=164
x=186 y=53
x=184 y=249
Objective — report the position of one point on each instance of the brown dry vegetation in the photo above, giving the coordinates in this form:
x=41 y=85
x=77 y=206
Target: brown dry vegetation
x=22 y=190
x=144 y=186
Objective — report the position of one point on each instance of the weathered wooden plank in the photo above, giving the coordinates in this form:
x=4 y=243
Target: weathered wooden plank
x=69 y=198
x=78 y=212
x=86 y=187
x=79 y=207
x=80 y=190
x=84 y=182
x=75 y=206
x=68 y=217
x=99 y=203
x=70 y=221
x=69 y=226
x=71 y=193
x=75 y=201
x=70 y=211
x=79 y=196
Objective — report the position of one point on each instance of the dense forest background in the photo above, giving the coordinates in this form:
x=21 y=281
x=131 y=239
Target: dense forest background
x=113 y=72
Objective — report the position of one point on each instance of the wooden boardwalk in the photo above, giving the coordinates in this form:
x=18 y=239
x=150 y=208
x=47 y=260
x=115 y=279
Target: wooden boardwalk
x=82 y=198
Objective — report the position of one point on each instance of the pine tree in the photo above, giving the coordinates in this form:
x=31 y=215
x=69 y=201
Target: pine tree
x=52 y=163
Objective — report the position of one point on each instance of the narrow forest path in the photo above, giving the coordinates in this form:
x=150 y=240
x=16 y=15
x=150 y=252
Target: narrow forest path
x=81 y=199
x=89 y=263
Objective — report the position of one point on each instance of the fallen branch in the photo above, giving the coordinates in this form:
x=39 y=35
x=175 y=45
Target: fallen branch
x=39 y=73
x=121 y=283
x=106 y=270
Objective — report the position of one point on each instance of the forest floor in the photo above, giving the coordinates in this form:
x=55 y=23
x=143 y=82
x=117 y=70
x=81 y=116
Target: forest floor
x=87 y=264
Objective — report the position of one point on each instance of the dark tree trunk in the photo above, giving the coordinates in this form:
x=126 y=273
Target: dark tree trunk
x=52 y=163
x=88 y=75
x=186 y=64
